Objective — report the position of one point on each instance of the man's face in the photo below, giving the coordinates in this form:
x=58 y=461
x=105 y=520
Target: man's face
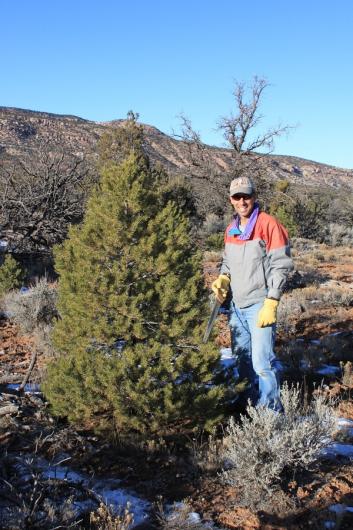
x=243 y=204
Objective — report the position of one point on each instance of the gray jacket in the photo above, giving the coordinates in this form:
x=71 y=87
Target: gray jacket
x=258 y=266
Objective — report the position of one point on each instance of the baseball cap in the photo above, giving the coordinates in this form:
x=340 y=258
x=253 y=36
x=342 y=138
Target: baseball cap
x=241 y=185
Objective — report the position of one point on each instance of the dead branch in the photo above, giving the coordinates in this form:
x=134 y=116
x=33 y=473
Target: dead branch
x=29 y=371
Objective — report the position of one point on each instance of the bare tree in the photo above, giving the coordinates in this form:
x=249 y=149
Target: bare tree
x=239 y=129
x=41 y=196
x=249 y=148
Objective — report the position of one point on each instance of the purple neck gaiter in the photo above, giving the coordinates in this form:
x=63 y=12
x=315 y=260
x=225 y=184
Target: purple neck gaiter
x=234 y=230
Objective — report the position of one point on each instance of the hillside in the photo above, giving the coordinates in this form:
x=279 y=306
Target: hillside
x=22 y=131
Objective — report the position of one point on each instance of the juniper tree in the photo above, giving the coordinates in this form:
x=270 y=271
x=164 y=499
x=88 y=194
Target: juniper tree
x=130 y=273
x=11 y=275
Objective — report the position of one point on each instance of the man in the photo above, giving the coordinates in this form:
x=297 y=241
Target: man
x=256 y=262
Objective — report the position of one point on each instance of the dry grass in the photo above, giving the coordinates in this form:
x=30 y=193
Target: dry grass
x=317 y=254
x=104 y=518
x=212 y=256
x=301 y=300
x=347 y=374
x=206 y=454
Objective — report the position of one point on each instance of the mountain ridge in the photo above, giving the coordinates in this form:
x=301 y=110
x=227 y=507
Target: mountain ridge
x=21 y=131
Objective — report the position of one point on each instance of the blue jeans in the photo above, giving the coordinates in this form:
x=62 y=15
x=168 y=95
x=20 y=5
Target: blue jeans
x=252 y=348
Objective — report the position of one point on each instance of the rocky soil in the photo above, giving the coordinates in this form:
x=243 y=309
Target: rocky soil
x=42 y=456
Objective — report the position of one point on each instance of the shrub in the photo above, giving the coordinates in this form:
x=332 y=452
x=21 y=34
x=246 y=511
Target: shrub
x=332 y=295
x=289 y=310
x=35 y=308
x=339 y=235
x=310 y=215
x=130 y=273
x=337 y=296
x=282 y=186
x=213 y=224
x=285 y=216
x=11 y=275
x=215 y=242
x=213 y=256
x=264 y=445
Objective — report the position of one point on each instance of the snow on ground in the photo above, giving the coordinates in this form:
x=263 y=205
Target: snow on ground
x=340 y=508
x=328 y=369
x=107 y=489
x=346 y=426
x=228 y=360
x=344 y=422
x=174 y=511
x=338 y=450
x=30 y=388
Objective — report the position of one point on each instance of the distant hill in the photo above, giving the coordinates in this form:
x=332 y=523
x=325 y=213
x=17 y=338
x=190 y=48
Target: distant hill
x=22 y=131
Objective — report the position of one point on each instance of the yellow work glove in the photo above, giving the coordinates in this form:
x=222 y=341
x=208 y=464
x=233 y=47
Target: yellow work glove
x=220 y=287
x=268 y=313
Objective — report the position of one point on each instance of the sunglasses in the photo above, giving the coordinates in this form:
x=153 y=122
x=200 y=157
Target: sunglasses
x=239 y=196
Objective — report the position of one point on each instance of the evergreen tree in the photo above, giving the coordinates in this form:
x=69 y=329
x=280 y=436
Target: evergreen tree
x=283 y=206
x=130 y=273
x=11 y=275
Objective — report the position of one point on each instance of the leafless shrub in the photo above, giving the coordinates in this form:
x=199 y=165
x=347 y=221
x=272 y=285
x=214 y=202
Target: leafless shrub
x=42 y=195
x=35 y=308
x=339 y=235
x=249 y=144
x=264 y=445
x=104 y=518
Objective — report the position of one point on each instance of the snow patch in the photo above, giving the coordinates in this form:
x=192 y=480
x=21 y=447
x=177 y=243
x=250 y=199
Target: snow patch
x=328 y=369
x=344 y=422
x=340 y=508
x=228 y=361
x=107 y=489
x=30 y=388
x=337 y=449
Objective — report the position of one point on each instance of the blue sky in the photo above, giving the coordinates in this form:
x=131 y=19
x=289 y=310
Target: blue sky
x=99 y=59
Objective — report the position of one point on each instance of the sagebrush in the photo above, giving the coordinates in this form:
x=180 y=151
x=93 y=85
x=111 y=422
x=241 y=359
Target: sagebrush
x=34 y=308
x=265 y=445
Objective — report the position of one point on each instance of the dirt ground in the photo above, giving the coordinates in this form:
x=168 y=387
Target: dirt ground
x=166 y=471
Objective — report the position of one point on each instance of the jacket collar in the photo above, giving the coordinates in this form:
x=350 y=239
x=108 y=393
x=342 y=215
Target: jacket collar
x=243 y=236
